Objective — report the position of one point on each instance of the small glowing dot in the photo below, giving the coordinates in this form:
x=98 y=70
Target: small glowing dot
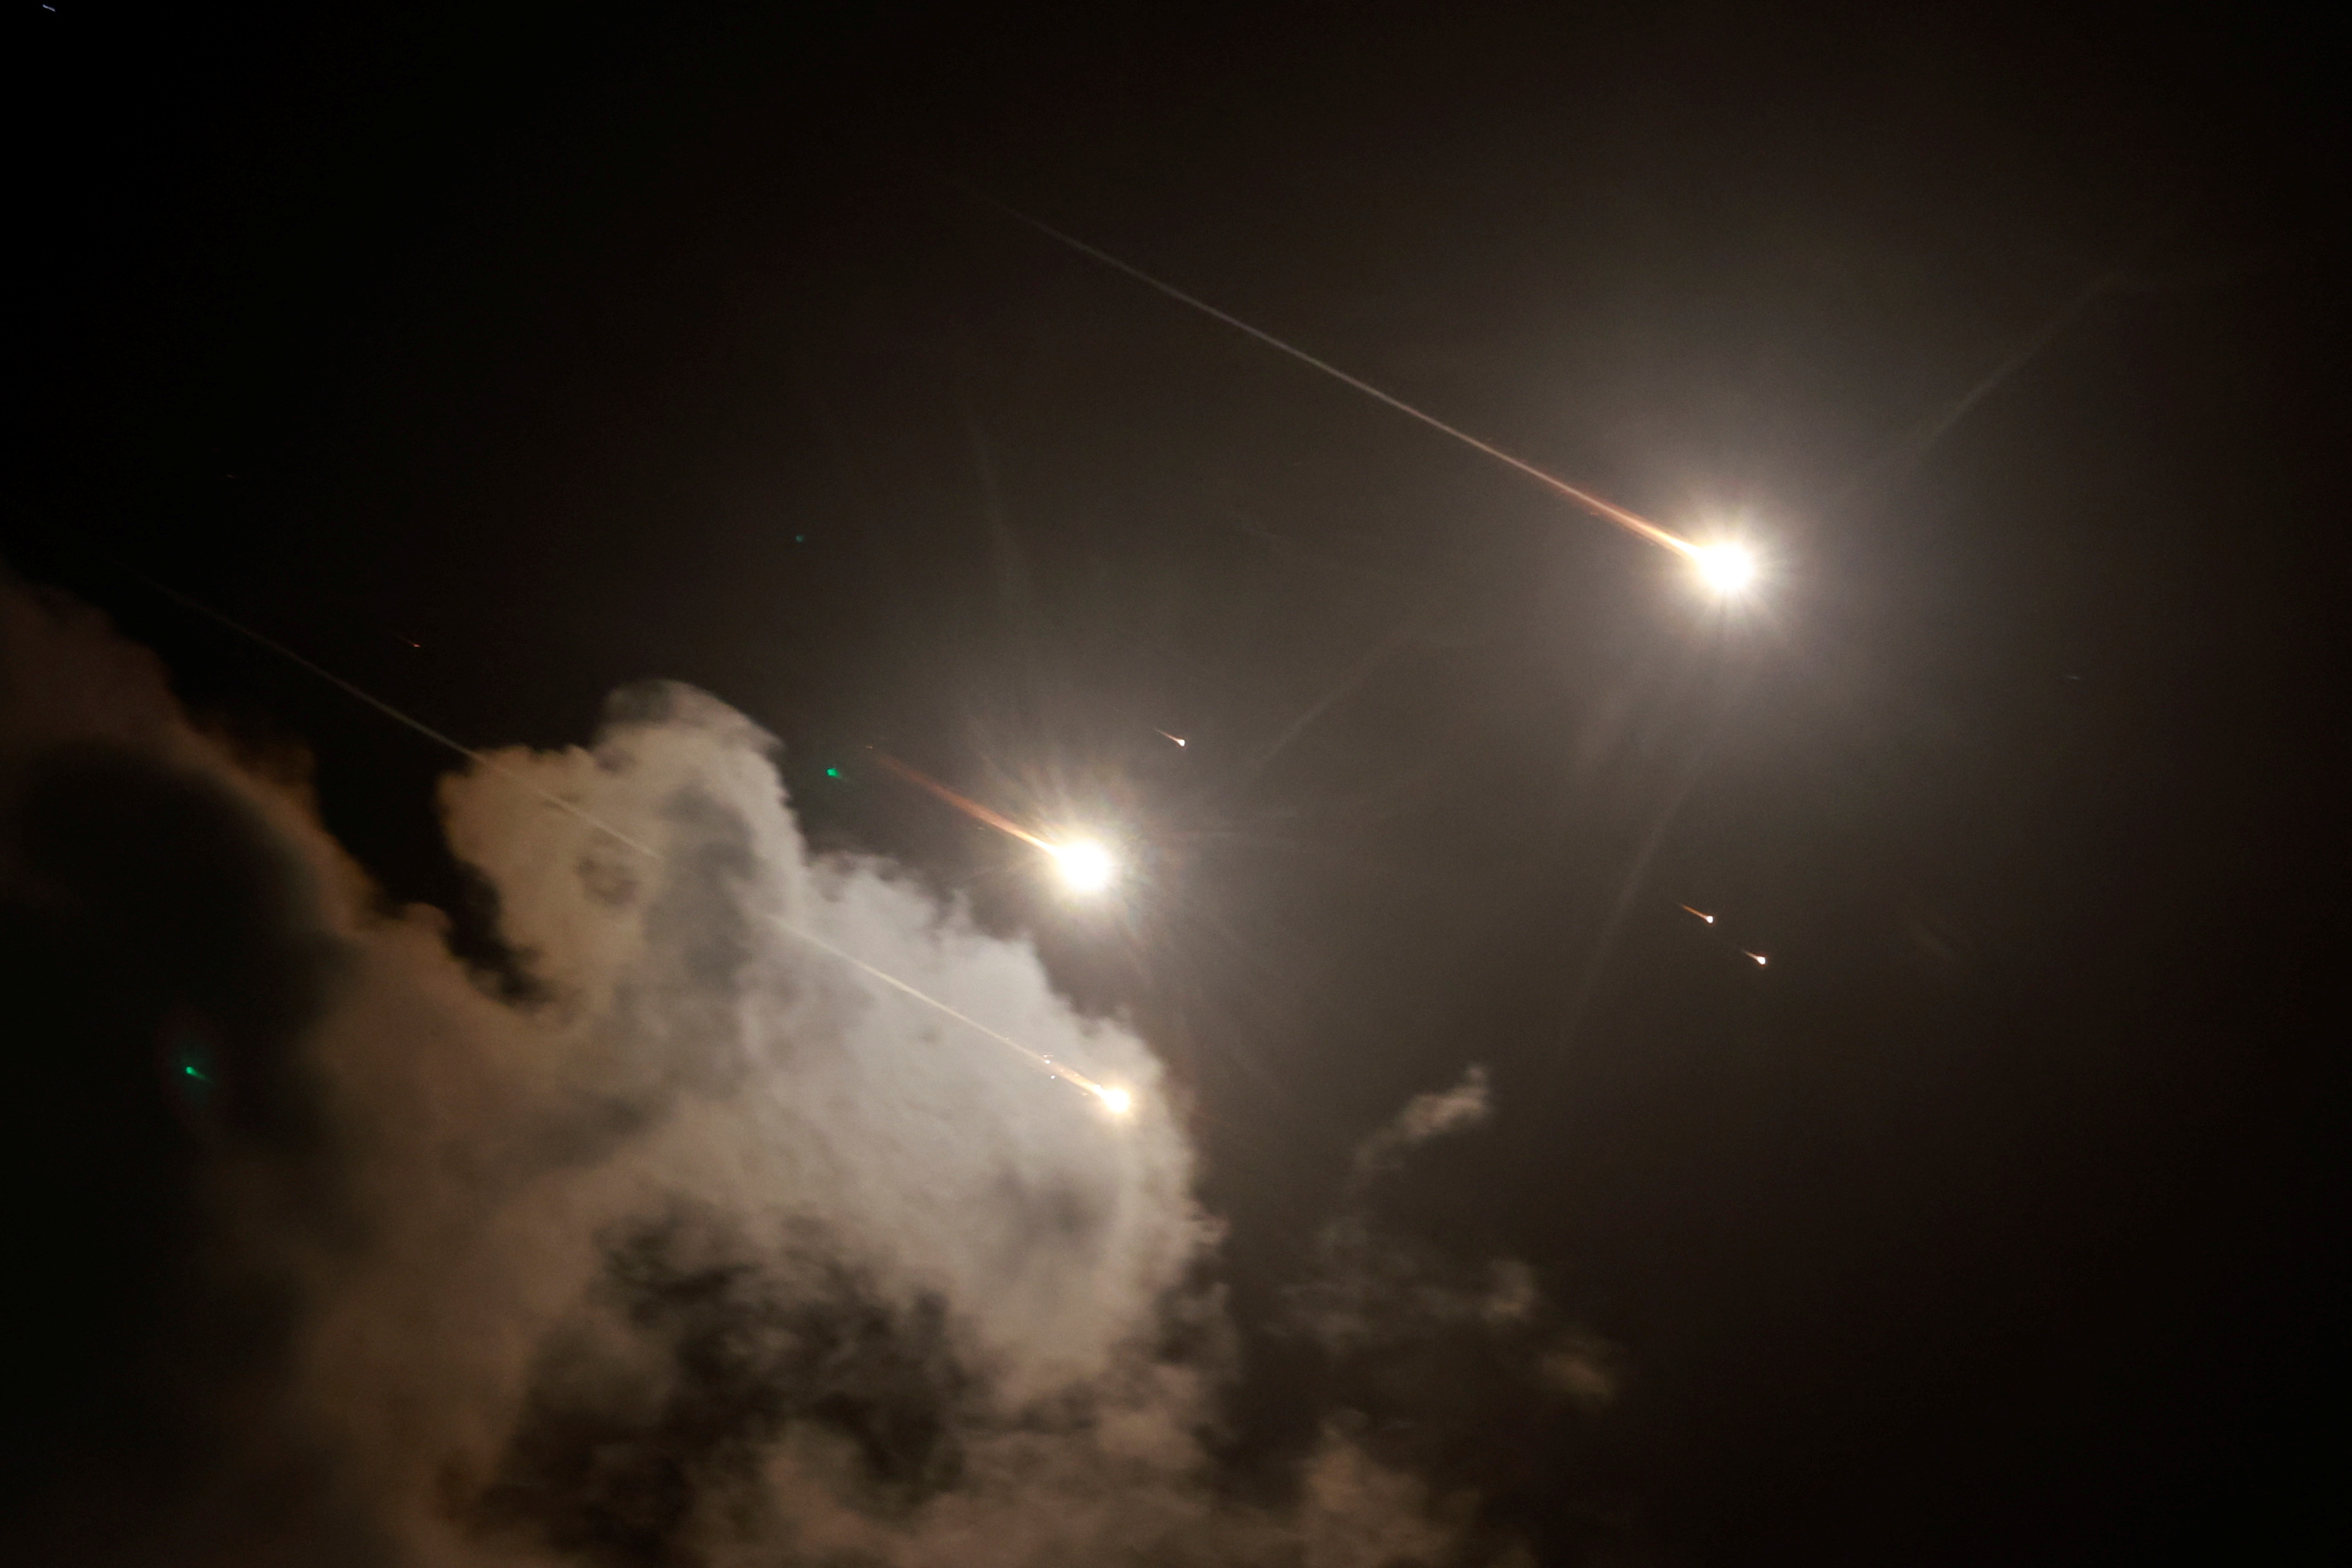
x=1085 y=865
x=833 y=772
x=1117 y=1102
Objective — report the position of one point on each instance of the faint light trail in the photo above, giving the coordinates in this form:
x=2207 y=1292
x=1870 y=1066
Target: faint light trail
x=1688 y=910
x=1759 y=957
x=1165 y=735
x=1608 y=511
x=482 y=759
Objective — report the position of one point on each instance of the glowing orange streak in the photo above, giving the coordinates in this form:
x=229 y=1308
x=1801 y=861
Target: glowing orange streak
x=1607 y=510
x=1688 y=910
x=972 y=809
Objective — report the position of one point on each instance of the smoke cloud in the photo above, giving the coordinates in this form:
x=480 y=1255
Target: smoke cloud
x=694 y=1247
x=1425 y=1116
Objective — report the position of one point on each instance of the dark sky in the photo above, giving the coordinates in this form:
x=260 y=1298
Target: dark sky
x=494 y=357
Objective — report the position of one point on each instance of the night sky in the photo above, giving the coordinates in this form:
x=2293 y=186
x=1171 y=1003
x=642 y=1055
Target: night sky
x=495 y=358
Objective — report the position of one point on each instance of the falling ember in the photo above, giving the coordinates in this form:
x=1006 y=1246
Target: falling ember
x=1688 y=910
x=1759 y=957
x=1165 y=735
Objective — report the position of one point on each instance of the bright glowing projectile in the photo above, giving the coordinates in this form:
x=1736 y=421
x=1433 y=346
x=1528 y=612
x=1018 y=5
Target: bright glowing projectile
x=1165 y=735
x=1086 y=866
x=1688 y=910
x=1728 y=568
x=1759 y=957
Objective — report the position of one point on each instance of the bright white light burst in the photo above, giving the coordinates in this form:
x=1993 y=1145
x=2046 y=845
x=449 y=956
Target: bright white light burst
x=1085 y=865
x=1117 y=1102
x=1727 y=567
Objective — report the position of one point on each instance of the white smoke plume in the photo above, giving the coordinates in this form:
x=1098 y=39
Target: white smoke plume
x=1425 y=1116
x=699 y=1250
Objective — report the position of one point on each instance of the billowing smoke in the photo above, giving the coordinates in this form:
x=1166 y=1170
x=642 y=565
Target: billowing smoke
x=687 y=1244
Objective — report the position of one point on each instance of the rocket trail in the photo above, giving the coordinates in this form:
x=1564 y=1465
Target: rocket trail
x=1117 y=1100
x=1686 y=909
x=481 y=760
x=1113 y=1097
x=1609 y=511
x=969 y=808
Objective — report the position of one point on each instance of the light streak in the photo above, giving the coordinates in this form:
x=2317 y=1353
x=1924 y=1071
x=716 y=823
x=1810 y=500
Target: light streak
x=1688 y=910
x=1759 y=957
x=1165 y=735
x=1119 y=1101
x=1608 y=511
x=481 y=760
x=969 y=808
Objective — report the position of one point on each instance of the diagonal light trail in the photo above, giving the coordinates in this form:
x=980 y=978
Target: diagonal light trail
x=968 y=807
x=1607 y=510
